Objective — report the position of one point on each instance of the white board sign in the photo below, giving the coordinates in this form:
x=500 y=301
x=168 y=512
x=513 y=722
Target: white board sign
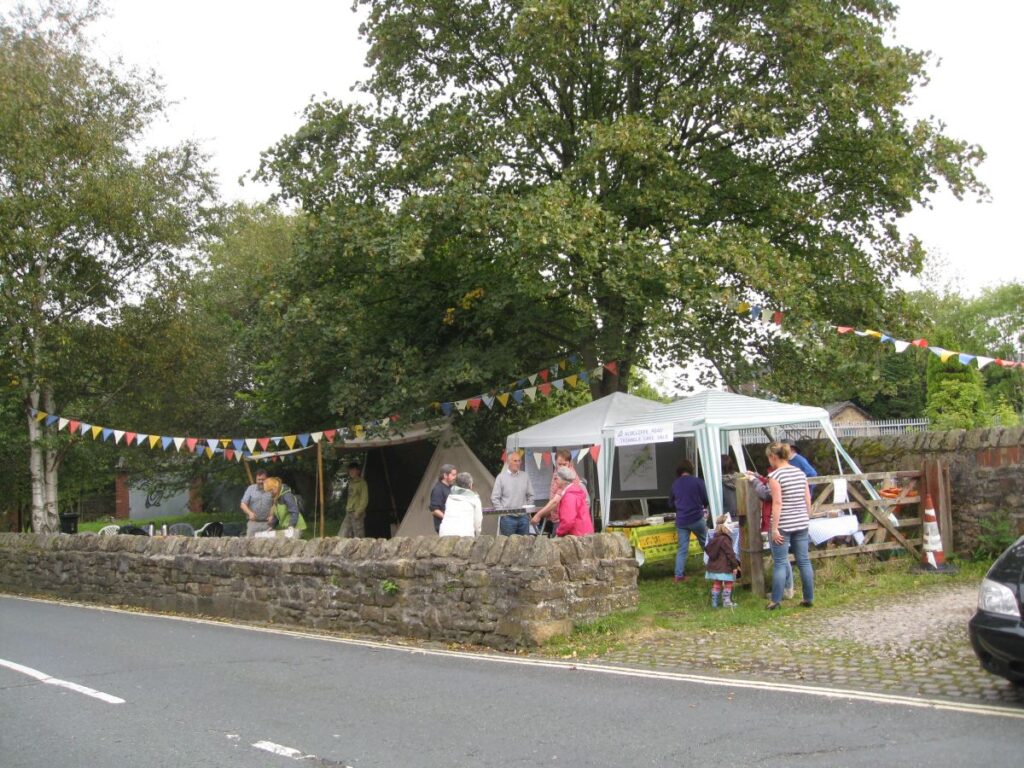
x=652 y=433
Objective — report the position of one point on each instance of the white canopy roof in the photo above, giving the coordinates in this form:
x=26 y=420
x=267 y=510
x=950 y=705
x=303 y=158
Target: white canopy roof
x=582 y=425
x=708 y=416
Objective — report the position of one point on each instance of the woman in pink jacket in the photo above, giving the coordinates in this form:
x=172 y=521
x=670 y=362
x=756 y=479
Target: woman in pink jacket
x=573 y=510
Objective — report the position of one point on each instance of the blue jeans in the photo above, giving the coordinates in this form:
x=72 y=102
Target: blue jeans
x=798 y=541
x=510 y=525
x=698 y=529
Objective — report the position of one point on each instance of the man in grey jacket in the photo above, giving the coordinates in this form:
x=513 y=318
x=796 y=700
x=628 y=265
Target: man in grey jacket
x=512 y=490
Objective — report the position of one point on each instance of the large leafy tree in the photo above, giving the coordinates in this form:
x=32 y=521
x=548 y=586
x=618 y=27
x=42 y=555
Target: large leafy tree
x=86 y=218
x=616 y=177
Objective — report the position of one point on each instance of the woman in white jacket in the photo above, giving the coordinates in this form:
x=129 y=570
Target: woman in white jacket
x=463 y=512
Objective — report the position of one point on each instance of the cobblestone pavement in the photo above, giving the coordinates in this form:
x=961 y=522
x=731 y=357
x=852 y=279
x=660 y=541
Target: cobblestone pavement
x=917 y=646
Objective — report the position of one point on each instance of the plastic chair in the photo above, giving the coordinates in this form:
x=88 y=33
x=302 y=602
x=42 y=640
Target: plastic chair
x=181 y=529
x=134 y=530
x=110 y=530
x=211 y=530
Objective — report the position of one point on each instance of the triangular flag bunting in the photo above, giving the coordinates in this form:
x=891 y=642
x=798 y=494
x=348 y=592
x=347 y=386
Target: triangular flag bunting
x=263 y=443
x=543 y=375
x=167 y=442
x=532 y=379
x=107 y=432
x=844 y=329
x=922 y=343
x=316 y=437
x=289 y=440
x=559 y=383
x=191 y=443
x=73 y=426
x=304 y=439
x=544 y=389
x=518 y=395
x=61 y=423
x=51 y=420
x=475 y=403
x=129 y=438
x=118 y=434
x=983 y=361
x=96 y=431
x=153 y=440
x=460 y=405
x=965 y=359
x=209 y=452
x=503 y=399
x=229 y=455
x=598 y=373
x=613 y=367
x=595 y=451
x=238 y=444
x=538 y=459
x=178 y=442
x=40 y=415
x=901 y=346
x=329 y=434
x=446 y=409
x=251 y=443
x=531 y=392
x=571 y=381
x=488 y=400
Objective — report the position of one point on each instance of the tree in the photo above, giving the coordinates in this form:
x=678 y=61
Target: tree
x=617 y=177
x=85 y=218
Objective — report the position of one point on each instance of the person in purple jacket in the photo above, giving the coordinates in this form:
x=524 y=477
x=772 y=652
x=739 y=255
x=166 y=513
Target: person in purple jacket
x=689 y=497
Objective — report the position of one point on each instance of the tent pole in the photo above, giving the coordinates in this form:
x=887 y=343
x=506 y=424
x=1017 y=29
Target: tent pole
x=391 y=491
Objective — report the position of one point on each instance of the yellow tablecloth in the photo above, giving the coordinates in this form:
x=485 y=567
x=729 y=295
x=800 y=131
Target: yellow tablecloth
x=655 y=543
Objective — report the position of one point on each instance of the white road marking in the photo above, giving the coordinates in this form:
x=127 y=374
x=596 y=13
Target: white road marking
x=45 y=678
x=278 y=749
x=984 y=710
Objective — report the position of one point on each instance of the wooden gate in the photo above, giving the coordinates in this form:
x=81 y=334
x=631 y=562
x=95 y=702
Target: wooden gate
x=890 y=522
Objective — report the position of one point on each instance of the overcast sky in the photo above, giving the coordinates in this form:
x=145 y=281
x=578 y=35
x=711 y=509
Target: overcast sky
x=241 y=71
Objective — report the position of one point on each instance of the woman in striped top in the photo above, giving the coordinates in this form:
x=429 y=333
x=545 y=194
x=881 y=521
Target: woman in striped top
x=791 y=504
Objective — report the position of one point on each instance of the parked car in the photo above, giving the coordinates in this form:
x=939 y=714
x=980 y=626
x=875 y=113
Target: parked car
x=996 y=629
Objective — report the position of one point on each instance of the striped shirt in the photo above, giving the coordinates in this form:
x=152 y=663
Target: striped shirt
x=794 y=514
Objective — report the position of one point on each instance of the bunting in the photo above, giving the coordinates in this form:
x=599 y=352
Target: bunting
x=235 y=449
x=945 y=355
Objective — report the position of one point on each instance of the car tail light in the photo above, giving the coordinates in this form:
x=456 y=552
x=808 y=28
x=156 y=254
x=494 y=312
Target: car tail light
x=994 y=597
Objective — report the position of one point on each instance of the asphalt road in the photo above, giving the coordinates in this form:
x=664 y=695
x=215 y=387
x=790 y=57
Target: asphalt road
x=203 y=694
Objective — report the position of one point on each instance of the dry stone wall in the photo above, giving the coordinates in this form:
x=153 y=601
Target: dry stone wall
x=493 y=590
x=986 y=468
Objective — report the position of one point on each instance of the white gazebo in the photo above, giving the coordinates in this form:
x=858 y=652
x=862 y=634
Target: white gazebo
x=710 y=418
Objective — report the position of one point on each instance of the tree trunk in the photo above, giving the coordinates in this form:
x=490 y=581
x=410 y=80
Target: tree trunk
x=51 y=461
x=42 y=522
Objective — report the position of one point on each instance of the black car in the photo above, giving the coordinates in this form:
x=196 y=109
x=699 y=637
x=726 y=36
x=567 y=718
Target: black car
x=996 y=629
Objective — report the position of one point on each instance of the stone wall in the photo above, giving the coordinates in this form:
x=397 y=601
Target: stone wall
x=986 y=468
x=494 y=590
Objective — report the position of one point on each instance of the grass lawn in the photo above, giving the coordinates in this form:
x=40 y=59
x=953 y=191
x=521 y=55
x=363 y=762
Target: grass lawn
x=686 y=608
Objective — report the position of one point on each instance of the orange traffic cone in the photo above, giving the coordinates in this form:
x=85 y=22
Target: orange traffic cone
x=933 y=558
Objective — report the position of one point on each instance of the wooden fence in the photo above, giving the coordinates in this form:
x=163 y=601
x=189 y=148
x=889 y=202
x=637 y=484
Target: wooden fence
x=891 y=522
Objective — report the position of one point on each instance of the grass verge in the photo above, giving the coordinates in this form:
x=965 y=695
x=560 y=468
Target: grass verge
x=665 y=606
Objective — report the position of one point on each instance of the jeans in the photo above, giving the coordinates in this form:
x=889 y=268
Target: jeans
x=798 y=541
x=510 y=525
x=698 y=529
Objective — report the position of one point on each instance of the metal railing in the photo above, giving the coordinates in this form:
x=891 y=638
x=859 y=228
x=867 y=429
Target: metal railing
x=812 y=431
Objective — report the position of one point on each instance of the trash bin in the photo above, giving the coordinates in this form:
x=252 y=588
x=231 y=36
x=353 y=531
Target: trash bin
x=69 y=523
